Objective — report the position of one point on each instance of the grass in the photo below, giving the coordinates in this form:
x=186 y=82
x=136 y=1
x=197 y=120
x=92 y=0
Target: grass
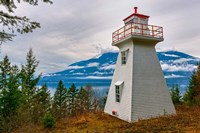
x=186 y=120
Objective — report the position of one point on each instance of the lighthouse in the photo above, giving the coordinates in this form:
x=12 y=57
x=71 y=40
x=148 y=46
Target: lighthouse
x=138 y=89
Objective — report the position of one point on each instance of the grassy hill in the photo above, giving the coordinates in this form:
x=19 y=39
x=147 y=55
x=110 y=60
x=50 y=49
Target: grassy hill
x=186 y=120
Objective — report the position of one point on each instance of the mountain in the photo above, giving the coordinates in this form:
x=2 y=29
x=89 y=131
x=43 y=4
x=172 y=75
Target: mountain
x=177 y=68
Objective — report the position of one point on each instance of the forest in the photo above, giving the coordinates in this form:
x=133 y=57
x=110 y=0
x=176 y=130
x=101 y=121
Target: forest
x=22 y=101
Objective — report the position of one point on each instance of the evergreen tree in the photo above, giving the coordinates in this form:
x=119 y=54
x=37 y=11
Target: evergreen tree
x=28 y=81
x=172 y=92
x=178 y=95
x=20 y=100
x=60 y=100
x=5 y=68
x=175 y=95
x=10 y=97
x=197 y=87
x=72 y=99
x=90 y=98
x=10 y=94
x=43 y=97
x=41 y=104
x=192 y=95
x=82 y=99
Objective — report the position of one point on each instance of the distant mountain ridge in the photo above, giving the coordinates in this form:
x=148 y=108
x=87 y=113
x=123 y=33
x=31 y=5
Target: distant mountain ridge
x=177 y=68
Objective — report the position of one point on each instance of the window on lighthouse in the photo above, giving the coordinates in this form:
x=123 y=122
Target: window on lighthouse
x=135 y=20
x=117 y=92
x=124 y=55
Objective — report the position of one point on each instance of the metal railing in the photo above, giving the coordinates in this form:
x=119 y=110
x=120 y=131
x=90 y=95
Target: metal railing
x=137 y=29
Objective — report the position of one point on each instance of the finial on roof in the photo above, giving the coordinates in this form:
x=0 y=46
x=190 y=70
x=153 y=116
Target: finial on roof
x=135 y=9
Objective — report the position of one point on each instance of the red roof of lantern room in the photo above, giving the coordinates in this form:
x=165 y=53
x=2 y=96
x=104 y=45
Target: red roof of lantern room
x=136 y=14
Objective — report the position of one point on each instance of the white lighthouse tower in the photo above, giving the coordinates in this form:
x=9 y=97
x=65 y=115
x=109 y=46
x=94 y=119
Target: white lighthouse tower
x=138 y=89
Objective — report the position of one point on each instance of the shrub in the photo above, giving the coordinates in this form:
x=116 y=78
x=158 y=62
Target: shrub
x=48 y=121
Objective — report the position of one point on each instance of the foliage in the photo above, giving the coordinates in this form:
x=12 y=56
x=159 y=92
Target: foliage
x=90 y=98
x=5 y=68
x=192 y=95
x=72 y=99
x=12 y=23
x=81 y=100
x=43 y=98
x=28 y=81
x=48 y=121
x=197 y=88
x=9 y=101
x=60 y=100
x=85 y=99
x=22 y=102
x=175 y=95
x=41 y=103
x=10 y=96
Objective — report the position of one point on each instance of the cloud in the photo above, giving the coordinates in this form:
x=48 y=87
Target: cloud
x=94 y=64
x=170 y=55
x=98 y=73
x=165 y=49
x=108 y=67
x=95 y=77
x=75 y=67
x=77 y=74
x=101 y=50
x=75 y=30
x=173 y=68
x=174 y=76
x=184 y=60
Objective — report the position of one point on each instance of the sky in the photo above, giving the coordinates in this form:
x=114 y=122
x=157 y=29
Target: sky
x=72 y=31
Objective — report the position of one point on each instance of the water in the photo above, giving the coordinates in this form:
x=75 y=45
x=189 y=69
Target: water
x=101 y=86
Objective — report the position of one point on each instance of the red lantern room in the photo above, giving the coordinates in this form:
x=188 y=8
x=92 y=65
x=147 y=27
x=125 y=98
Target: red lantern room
x=136 y=18
x=137 y=25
